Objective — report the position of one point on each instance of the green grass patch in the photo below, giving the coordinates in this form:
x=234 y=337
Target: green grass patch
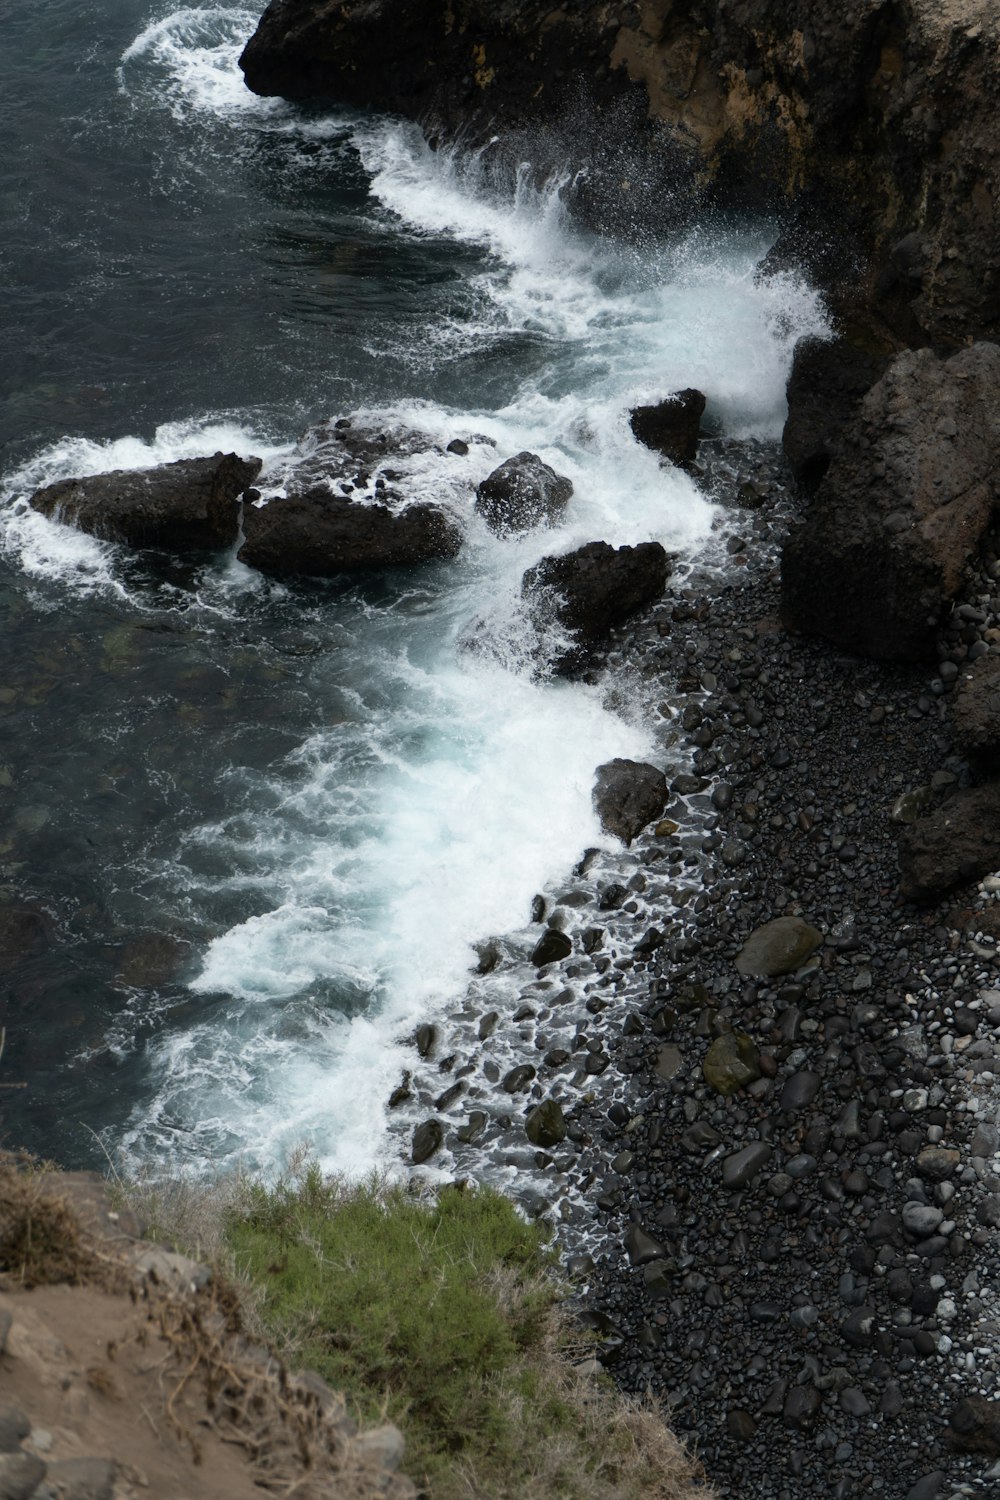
x=443 y=1316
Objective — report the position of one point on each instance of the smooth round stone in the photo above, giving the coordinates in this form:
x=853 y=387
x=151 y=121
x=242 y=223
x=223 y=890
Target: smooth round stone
x=800 y=1090
x=928 y=1487
x=779 y=947
x=937 y=1163
x=801 y=1166
x=921 y=1218
x=804 y=1317
x=855 y=1402
x=742 y=1167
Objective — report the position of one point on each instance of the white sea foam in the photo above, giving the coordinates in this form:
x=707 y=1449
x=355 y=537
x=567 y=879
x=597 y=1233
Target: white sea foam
x=63 y=556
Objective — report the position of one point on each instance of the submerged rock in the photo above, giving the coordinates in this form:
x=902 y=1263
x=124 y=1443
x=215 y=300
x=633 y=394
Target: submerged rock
x=192 y=505
x=628 y=794
x=522 y=493
x=671 y=427
x=588 y=592
x=902 y=508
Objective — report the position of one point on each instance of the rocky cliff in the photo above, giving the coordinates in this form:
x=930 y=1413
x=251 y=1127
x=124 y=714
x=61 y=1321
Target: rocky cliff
x=871 y=124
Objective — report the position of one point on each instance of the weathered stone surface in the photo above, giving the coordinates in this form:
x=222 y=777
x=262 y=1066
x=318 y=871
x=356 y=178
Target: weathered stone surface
x=80 y=1479
x=384 y=1446
x=873 y=119
x=20 y=1475
x=902 y=508
x=828 y=379
x=590 y=591
x=975 y=1426
x=959 y=842
x=14 y=1426
x=320 y=535
x=731 y=1062
x=671 y=427
x=642 y=1247
x=522 y=493
x=779 y=947
x=355 y=498
x=191 y=505
x=628 y=794
x=975 y=711
x=546 y=1125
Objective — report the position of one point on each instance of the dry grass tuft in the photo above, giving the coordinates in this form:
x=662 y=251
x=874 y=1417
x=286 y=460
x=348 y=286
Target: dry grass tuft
x=40 y=1239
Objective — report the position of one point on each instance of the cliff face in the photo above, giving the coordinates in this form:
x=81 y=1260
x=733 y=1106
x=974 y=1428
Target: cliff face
x=876 y=118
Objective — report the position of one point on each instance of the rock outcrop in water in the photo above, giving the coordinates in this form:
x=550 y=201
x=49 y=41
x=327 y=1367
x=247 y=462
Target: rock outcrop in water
x=902 y=508
x=191 y=505
x=353 y=499
x=671 y=427
x=522 y=493
x=586 y=593
x=874 y=122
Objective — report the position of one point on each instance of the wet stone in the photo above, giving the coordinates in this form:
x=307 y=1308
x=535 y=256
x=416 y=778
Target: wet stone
x=427 y=1139
x=779 y=947
x=668 y=1062
x=546 y=1125
x=551 y=948
x=743 y=1166
x=731 y=1063
x=517 y=1078
x=800 y=1090
x=474 y=1129
x=641 y=1247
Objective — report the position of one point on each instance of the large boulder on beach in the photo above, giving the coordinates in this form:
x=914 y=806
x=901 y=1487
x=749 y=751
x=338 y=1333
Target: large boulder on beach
x=958 y=843
x=577 y=599
x=522 y=493
x=355 y=497
x=188 y=506
x=671 y=427
x=902 y=508
x=628 y=795
x=779 y=947
x=828 y=379
x=975 y=711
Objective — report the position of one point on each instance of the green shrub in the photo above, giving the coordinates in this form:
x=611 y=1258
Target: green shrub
x=443 y=1315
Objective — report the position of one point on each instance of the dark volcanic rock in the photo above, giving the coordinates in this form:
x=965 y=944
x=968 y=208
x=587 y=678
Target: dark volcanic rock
x=589 y=591
x=191 y=505
x=550 y=948
x=959 y=842
x=427 y=1139
x=975 y=1426
x=671 y=427
x=828 y=379
x=545 y=1125
x=976 y=710
x=320 y=535
x=902 y=508
x=779 y=947
x=628 y=794
x=522 y=493
x=350 y=504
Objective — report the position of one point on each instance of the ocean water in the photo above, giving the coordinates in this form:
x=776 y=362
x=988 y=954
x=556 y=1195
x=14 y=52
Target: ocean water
x=250 y=832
